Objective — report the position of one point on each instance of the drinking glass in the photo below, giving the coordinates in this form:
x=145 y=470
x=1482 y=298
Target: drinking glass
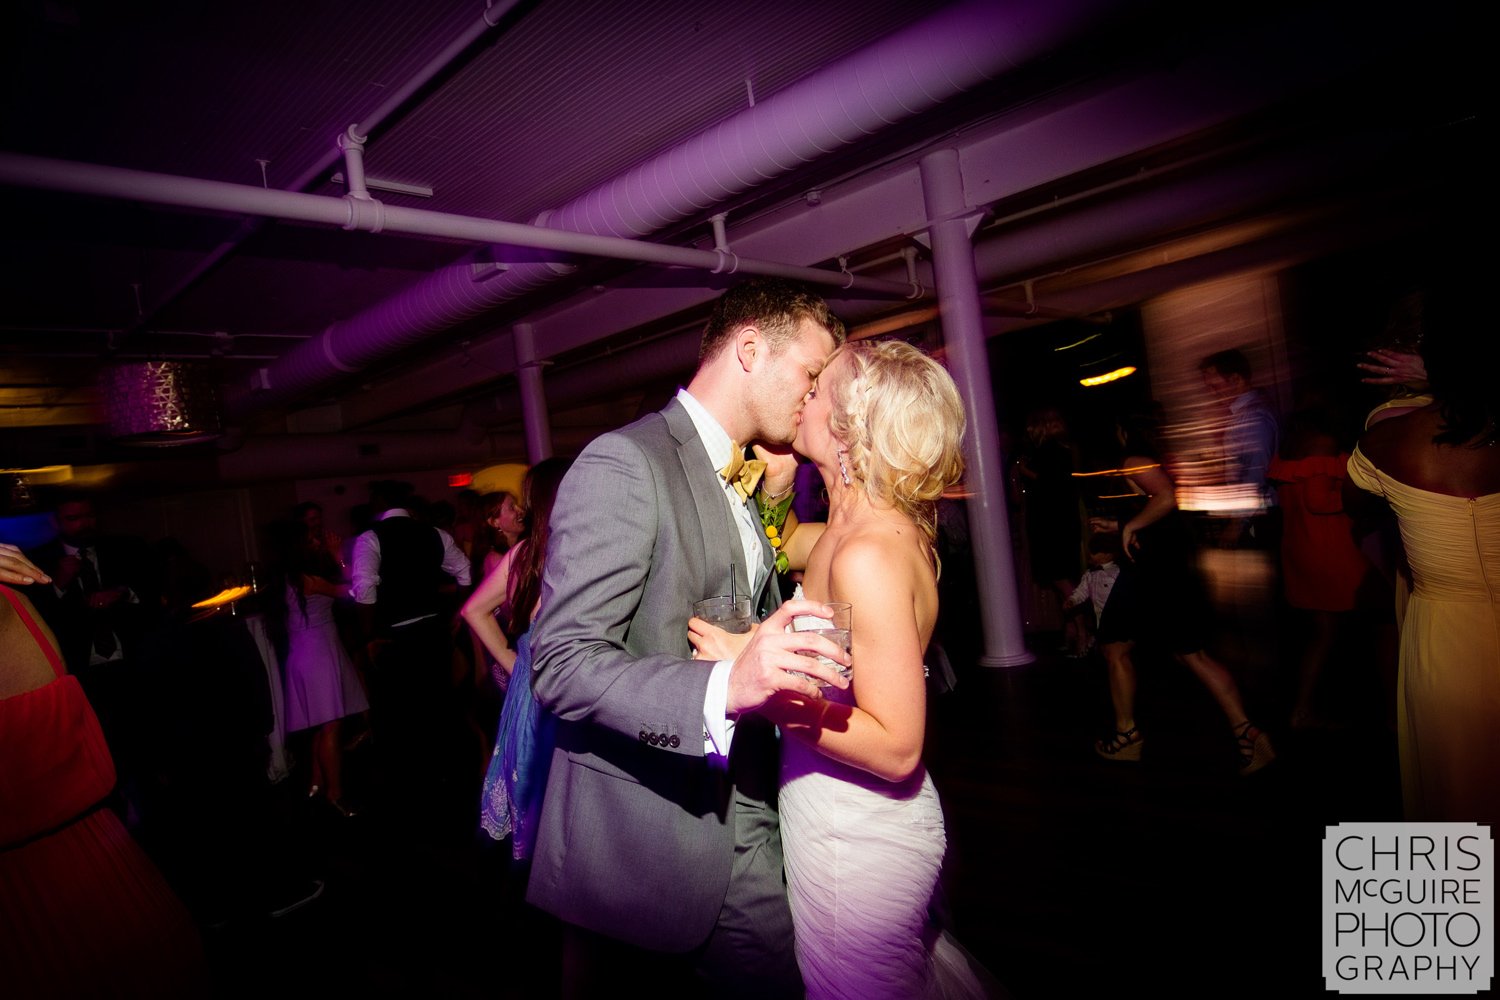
x=837 y=629
x=732 y=614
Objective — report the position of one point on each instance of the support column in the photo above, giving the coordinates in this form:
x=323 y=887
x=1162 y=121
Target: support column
x=533 y=400
x=968 y=362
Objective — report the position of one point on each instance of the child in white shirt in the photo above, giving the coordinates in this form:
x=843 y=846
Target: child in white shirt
x=1099 y=579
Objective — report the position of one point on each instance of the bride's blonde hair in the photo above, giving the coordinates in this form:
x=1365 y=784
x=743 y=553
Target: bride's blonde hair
x=899 y=414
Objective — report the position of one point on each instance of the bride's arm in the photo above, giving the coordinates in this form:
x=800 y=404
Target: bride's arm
x=798 y=540
x=884 y=734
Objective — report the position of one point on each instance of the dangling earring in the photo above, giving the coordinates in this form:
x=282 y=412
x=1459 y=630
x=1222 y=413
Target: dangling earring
x=844 y=469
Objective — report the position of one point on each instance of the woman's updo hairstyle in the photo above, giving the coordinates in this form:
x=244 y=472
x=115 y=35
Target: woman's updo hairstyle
x=899 y=414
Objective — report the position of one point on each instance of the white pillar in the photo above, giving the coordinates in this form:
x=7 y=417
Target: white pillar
x=533 y=400
x=963 y=335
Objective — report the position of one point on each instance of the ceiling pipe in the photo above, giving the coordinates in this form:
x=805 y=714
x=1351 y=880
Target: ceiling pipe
x=1078 y=231
x=896 y=79
x=902 y=76
x=494 y=12
x=371 y=215
x=352 y=144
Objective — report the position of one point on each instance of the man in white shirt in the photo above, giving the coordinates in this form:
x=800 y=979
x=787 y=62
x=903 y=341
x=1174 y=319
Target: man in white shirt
x=399 y=567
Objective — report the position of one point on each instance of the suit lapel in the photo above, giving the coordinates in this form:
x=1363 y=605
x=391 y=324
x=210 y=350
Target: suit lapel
x=720 y=537
x=767 y=558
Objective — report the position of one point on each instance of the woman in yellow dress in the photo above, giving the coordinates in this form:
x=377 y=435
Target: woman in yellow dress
x=1439 y=469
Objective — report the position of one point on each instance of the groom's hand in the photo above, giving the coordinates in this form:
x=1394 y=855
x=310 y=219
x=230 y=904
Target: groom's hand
x=760 y=670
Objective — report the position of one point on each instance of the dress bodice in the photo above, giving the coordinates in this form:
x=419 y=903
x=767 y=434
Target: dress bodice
x=57 y=765
x=319 y=612
x=1452 y=542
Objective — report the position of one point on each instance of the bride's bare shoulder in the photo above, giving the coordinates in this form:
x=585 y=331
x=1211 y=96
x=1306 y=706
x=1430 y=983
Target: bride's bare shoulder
x=880 y=556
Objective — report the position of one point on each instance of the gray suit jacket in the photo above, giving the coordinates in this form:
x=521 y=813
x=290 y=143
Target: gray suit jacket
x=637 y=835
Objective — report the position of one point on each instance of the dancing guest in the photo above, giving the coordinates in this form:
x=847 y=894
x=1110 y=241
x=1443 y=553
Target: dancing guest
x=1439 y=469
x=1054 y=523
x=401 y=567
x=1322 y=568
x=83 y=911
x=320 y=685
x=517 y=775
x=1158 y=597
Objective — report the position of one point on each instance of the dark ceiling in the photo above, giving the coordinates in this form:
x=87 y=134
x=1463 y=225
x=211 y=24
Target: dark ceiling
x=1114 y=151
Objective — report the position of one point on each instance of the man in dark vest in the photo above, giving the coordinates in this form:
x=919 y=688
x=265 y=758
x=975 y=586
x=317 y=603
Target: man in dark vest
x=399 y=567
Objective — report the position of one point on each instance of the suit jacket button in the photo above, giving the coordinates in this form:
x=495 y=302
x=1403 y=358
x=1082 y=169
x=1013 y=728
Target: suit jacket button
x=643 y=736
x=674 y=742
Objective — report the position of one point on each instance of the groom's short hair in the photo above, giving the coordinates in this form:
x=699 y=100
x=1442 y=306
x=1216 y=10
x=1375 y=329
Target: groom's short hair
x=774 y=306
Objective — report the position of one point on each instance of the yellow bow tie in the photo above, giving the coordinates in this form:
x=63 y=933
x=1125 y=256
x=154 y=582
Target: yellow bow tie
x=741 y=473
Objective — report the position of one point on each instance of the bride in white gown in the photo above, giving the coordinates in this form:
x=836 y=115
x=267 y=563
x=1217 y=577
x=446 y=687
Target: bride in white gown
x=862 y=828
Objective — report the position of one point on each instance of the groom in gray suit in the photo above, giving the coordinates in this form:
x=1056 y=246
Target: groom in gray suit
x=659 y=831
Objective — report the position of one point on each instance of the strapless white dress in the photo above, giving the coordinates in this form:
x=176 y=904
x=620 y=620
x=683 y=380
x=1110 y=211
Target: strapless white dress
x=862 y=863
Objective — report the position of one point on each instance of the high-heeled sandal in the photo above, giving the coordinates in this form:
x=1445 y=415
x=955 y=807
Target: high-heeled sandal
x=1255 y=751
x=1122 y=745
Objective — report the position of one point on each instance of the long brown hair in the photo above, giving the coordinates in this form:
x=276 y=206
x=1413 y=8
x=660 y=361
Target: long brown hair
x=540 y=491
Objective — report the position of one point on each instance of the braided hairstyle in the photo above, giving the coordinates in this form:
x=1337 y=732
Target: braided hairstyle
x=898 y=413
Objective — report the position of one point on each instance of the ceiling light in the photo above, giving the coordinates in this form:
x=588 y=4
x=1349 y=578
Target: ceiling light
x=1118 y=373
x=160 y=404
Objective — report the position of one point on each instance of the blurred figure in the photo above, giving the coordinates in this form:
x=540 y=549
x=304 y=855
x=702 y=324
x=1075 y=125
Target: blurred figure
x=83 y=911
x=1322 y=568
x=1439 y=469
x=1251 y=440
x=103 y=605
x=1157 y=597
x=320 y=685
x=401 y=567
x=324 y=538
x=1098 y=580
x=1054 y=524
x=468 y=520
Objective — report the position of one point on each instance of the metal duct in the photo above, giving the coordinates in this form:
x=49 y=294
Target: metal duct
x=893 y=80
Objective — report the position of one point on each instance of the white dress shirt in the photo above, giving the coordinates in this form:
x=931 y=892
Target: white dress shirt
x=718 y=728
x=364 y=578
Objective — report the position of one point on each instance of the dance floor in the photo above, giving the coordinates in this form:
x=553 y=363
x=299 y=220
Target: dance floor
x=1066 y=874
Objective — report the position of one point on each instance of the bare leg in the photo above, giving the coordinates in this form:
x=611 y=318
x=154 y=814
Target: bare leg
x=1125 y=743
x=1121 y=683
x=1254 y=745
x=1220 y=683
x=328 y=758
